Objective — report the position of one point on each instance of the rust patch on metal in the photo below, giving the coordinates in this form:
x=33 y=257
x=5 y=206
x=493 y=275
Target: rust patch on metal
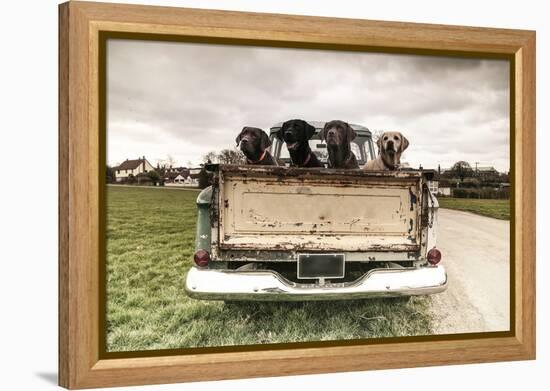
x=260 y=212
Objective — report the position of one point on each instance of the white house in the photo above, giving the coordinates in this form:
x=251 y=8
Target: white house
x=433 y=186
x=132 y=167
x=183 y=181
x=438 y=190
x=191 y=181
x=179 y=179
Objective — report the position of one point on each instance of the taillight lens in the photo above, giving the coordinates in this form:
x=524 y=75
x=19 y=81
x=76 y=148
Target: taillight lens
x=434 y=256
x=201 y=258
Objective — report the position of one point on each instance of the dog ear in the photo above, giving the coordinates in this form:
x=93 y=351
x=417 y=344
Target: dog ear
x=240 y=136
x=404 y=142
x=310 y=130
x=264 y=140
x=350 y=132
x=379 y=142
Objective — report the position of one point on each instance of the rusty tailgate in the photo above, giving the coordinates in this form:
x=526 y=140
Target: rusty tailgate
x=276 y=208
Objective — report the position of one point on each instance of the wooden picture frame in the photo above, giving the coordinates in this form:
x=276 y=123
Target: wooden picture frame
x=82 y=29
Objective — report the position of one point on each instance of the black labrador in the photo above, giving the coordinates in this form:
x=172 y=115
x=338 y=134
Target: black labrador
x=338 y=135
x=296 y=134
x=254 y=143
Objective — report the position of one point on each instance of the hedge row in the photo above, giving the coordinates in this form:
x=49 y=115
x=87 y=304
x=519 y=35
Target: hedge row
x=500 y=194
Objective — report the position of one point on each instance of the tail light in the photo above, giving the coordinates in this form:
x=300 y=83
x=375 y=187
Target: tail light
x=434 y=256
x=201 y=258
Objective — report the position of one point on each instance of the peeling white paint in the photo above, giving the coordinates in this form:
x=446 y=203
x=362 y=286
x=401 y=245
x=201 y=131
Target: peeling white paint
x=321 y=211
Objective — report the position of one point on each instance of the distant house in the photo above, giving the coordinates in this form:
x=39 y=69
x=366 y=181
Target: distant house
x=132 y=168
x=436 y=189
x=179 y=179
x=433 y=186
x=484 y=171
x=191 y=182
x=489 y=169
x=175 y=174
x=179 y=176
x=487 y=172
x=170 y=176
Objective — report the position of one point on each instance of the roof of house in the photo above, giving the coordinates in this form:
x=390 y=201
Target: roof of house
x=479 y=168
x=486 y=168
x=184 y=172
x=175 y=169
x=130 y=164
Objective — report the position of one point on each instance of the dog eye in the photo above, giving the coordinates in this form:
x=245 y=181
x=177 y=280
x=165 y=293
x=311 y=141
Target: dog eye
x=385 y=138
x=395 y=138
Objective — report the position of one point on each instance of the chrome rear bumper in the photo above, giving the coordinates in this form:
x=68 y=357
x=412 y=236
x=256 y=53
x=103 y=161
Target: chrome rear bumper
x=212 y=284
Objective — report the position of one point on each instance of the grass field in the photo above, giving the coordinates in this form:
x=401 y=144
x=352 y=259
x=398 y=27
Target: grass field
x=498 y=209
x=150 y=242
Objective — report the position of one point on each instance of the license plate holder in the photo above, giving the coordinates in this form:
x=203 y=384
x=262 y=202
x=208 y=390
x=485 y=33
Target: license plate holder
x=320 y=266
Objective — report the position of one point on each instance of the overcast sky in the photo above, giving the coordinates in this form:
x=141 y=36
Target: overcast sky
x=184 y=100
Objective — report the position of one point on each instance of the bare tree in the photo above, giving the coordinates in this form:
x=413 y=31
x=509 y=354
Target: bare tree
x=230 y=156
x=167 y=162
x=376 y=134
x=210 y=157
x=460 y=169
x=225 y=156
x=170 y=161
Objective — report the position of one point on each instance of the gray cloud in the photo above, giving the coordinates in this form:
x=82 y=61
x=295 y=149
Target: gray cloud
x=184 y=99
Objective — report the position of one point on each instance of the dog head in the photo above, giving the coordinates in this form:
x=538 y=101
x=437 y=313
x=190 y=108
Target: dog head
x=295 y=133
x=392 y=143
x=252 y=142
x=337 y=133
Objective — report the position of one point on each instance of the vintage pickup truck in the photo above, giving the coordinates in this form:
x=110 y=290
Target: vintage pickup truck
x=283 y=233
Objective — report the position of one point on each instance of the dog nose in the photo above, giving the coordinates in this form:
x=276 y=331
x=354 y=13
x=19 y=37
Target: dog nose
x=244 y=140
x=288 y=133
x=331 y=132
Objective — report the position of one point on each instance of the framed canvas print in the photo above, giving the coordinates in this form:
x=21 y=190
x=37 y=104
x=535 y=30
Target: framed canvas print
x=262 y=195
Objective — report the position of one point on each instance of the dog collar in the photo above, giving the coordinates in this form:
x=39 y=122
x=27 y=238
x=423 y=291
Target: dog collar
x=259 y=160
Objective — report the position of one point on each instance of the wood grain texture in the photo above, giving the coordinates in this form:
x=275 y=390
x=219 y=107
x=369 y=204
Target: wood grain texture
x=63 y=200
x=80 y=365
x=526 y=211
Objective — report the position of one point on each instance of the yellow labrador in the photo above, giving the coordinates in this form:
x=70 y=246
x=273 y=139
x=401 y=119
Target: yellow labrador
x=390 y=147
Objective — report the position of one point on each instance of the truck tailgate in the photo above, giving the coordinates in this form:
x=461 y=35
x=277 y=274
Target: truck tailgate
x=276 y=208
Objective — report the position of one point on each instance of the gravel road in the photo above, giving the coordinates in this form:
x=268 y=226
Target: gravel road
x=476 y=255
